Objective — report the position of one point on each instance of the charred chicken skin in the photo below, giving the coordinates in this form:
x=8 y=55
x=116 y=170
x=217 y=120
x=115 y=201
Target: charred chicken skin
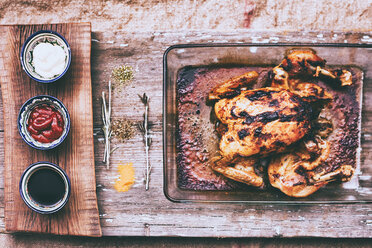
x=306 y=63
x=262 y=121
x=267 y=121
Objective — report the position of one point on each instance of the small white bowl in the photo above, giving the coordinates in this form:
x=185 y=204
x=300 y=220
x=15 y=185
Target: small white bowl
x=43 y=36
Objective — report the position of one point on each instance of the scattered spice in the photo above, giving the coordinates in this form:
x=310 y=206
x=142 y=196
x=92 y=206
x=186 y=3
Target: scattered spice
x=123 y=129
x=144 y=127
x=126 y=177
x=122 y=76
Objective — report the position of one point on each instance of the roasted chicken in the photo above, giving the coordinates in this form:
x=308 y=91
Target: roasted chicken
x=267 y=121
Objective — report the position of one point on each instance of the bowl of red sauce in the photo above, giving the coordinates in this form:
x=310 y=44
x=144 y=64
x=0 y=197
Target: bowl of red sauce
x=43 y=122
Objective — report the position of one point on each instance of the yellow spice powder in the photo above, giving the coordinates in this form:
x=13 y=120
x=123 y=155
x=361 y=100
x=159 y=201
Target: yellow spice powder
x=126 y=177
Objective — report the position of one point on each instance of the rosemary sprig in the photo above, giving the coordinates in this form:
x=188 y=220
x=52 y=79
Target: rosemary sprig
x=144 y=127
x=106 y=118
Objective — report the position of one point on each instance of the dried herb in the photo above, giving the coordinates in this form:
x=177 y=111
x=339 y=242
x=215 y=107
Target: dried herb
x=106 y=119
x=144 y=127
x=123 y=129
x=122 y=76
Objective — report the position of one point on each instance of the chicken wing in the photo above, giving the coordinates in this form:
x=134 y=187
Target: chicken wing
x=306 y=63
x=239 y=169
x=233 y=86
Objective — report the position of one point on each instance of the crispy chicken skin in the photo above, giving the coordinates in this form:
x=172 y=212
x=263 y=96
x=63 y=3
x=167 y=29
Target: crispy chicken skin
x=240 y=169
x=285 y=174
x=297 y=173
x=262 y=121
x=301 y=63
x=232 y=87
x=310 y=92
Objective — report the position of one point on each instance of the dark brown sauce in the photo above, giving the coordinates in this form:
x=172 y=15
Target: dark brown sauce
x=46 y=187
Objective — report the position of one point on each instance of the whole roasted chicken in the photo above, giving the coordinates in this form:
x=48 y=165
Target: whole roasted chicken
x=278 y=121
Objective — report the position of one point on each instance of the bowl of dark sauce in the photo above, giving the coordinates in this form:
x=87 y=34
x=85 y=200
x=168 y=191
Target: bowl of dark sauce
x=45 y=187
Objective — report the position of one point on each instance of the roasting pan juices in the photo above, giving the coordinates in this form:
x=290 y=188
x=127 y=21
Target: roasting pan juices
x=190 y=139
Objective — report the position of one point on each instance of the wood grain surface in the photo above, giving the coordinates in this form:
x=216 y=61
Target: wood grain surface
x=160 y=15
x=75 y=155
x=148 y=213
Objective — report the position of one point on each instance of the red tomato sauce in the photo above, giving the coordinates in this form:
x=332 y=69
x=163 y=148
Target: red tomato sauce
x=45 y=124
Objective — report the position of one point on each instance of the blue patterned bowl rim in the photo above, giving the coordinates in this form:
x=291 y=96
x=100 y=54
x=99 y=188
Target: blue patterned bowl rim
x=23 y=116
x=28 y=200
x=47 y=32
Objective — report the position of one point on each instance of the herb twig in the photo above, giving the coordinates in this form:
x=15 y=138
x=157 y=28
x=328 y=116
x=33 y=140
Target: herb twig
x=106 y=118
x=144 y=127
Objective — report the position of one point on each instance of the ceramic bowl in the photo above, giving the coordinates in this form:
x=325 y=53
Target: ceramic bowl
x=43 y=36
x=24 y=115
x=27 y=196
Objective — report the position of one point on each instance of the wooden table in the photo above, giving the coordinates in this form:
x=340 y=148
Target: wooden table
x=148 y=213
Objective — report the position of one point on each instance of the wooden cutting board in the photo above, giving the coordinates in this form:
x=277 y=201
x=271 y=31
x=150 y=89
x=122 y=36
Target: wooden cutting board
x=76 y=155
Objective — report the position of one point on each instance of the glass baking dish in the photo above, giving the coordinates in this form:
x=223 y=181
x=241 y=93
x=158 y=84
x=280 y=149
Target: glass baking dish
x=358 y=190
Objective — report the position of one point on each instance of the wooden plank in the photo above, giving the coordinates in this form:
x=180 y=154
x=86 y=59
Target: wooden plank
x=75 y=155
x=39 y=240
x=141 y=213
